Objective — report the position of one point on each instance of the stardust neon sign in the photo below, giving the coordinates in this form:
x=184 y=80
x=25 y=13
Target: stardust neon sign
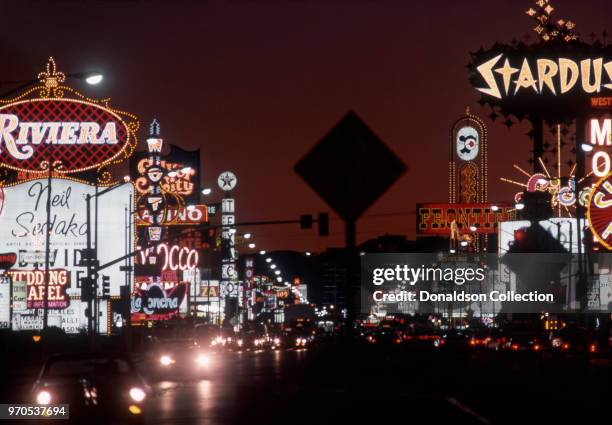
x=543 y=75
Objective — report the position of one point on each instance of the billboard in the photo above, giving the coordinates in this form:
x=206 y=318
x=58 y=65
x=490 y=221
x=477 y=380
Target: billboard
x=5 y=302
x=71 y=319
x=157 y=301
x=437 y=219
x=23 y=224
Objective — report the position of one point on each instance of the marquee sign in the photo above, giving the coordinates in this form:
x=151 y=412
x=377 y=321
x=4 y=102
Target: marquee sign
x=23 y=227
x=59 y=281
x=156 y=303
x=599 y=212
x=76 y=134
x=437 y=219
x=176 y=216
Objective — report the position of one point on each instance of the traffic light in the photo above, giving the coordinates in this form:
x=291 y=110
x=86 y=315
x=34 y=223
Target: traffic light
x=106 y=286
x=323 y=220
x=306 y=221
x=87 y=289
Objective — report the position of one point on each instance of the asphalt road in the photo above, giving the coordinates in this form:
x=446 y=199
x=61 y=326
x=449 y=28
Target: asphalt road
x=376 y=386
x=346 y=384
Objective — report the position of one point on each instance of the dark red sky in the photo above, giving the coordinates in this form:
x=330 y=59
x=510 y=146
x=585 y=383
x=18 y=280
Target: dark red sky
x=255 y=83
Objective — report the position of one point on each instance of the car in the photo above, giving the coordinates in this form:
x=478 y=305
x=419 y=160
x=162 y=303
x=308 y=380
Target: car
x=182 y=357
x=98 y=387
x=574 y=340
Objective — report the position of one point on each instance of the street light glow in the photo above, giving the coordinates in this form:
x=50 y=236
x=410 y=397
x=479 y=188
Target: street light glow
x=251 y=245
x=262 y=252
x=268 y=260
x=494 y=208
x=587 y=147
x=272 y=266
x=94 y=79
x=308 y=254
x=519 y=206
x=279 y=279
x=247 y=236
x=277 y=272
x=206 y=191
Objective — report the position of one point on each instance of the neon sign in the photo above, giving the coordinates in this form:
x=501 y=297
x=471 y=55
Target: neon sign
x=437 y=219
x=172 y=257
x=76 y=134
x=601 y=135
x=557 y=77
x=59 y=281
x=599 y=212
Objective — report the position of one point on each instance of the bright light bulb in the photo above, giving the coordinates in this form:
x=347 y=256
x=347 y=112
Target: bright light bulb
x=206 y=191
x=94 y=79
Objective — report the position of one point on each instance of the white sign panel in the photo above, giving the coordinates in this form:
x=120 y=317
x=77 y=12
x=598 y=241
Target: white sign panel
x=5 y=302
x=561 y=228
x=71 y=319
x=23 y=226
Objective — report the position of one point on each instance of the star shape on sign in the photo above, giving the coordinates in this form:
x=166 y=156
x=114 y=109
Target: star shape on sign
x=227 y=180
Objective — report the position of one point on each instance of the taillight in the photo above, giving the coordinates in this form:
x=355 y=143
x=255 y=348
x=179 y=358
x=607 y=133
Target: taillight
x=592 y=348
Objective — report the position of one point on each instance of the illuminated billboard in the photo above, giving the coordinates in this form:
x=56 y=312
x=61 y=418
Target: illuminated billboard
x=437 y=219
x=23 y=224
x=54 y=122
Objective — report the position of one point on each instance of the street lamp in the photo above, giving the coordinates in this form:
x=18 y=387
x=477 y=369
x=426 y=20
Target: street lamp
x=262 y=252
x=268 y=260
x=247 y=236
x=587 y=147
x=251 y=245
x=94 y=79
x=206 y=191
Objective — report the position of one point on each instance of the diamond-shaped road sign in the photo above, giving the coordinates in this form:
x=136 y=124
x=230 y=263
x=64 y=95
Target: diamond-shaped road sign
x=350 y=167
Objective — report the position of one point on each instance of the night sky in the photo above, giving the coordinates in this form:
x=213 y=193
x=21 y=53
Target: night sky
x=256 y=83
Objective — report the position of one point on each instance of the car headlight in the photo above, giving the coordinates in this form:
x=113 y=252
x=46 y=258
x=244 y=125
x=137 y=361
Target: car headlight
x=137 y=394
x=43 y=397
x=203 y=360
x=165 y=360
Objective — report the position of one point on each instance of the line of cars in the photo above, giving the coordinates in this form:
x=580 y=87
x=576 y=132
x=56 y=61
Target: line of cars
x=513 y=337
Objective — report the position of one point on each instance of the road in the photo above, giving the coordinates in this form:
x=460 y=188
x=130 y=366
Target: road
x=368 y=386
x=347 y=383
